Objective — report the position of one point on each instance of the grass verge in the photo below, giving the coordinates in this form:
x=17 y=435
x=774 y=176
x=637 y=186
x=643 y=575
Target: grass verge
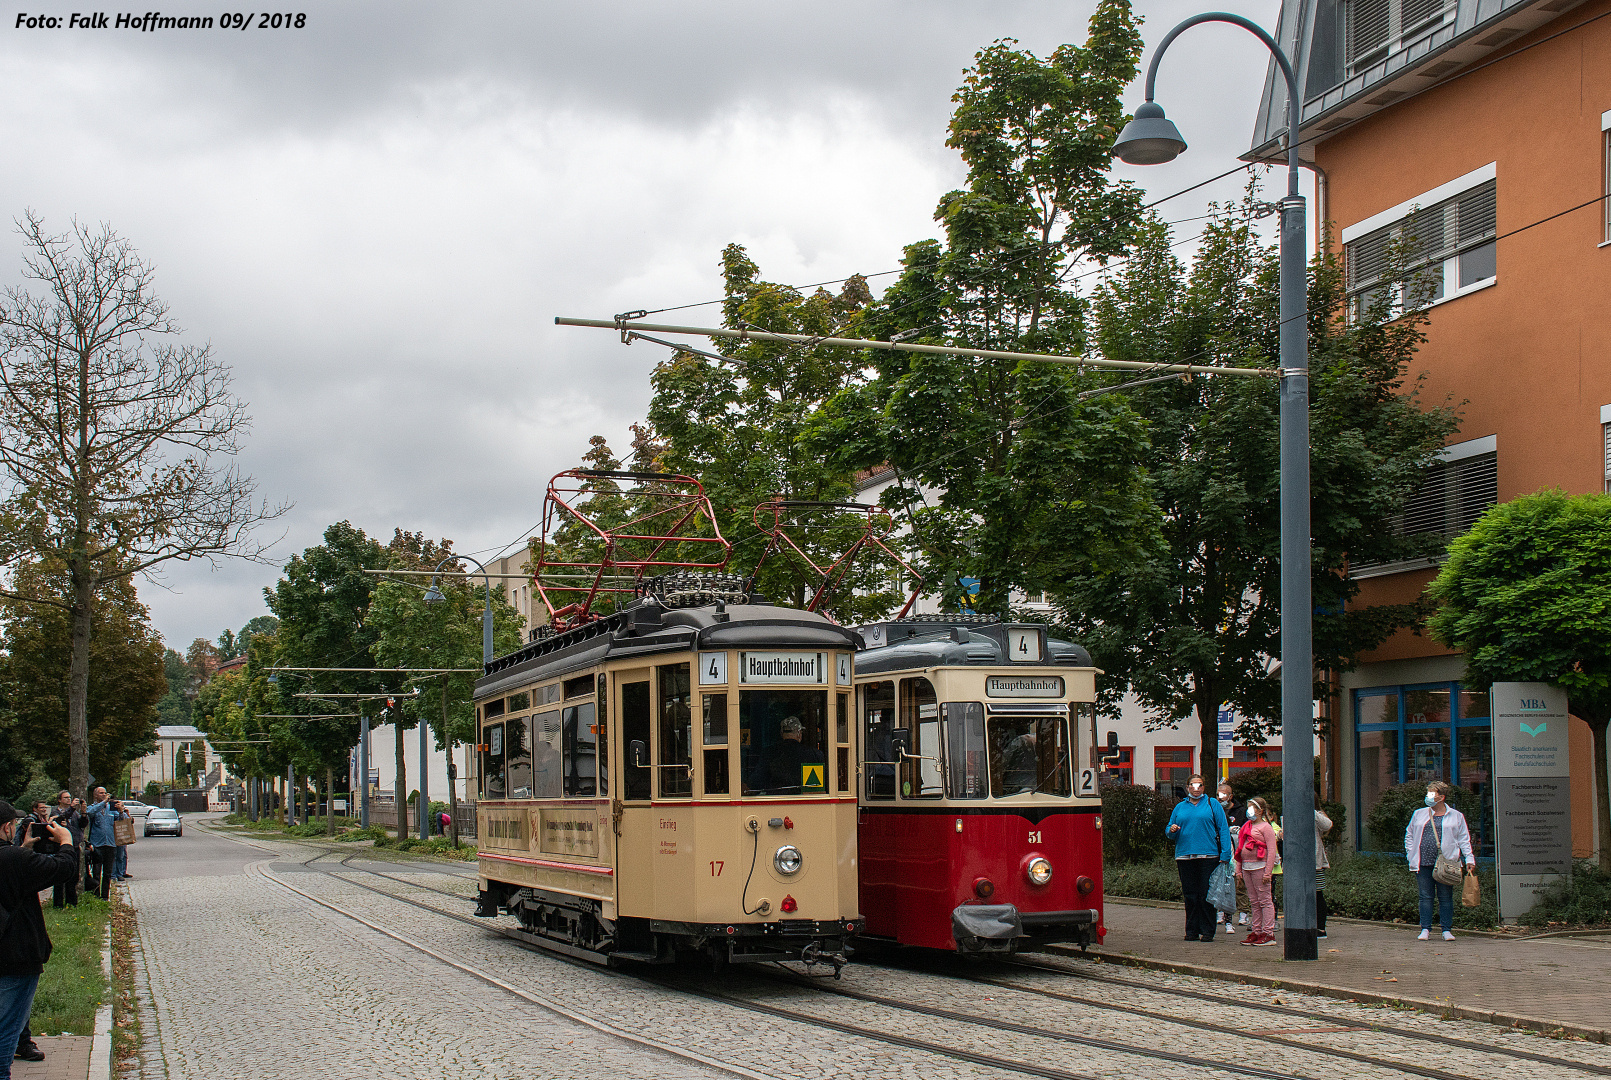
x=72 y=987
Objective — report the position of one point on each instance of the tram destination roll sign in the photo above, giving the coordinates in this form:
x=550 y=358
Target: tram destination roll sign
x=1532 y=786
x=782 y=667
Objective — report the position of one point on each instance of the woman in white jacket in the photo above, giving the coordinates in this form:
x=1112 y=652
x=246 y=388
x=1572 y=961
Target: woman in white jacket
x=1437 y=829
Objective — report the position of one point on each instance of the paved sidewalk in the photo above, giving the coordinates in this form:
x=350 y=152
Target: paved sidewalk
x=66 y=1058
x=1562 y=982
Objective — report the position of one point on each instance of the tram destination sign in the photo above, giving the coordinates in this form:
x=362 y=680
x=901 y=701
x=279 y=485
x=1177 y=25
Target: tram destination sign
x=1024 y=686
x=782 y=667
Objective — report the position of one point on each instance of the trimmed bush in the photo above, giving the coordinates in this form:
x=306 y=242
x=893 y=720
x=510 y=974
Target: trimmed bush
x=1134 y=818
x=1390 y=817
x=1584 y=899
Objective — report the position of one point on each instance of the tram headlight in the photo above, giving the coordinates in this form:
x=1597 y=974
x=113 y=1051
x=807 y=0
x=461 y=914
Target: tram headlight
x=788 y=859
x=1039 y=870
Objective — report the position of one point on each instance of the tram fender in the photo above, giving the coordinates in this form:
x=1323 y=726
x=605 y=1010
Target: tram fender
x=986 y=927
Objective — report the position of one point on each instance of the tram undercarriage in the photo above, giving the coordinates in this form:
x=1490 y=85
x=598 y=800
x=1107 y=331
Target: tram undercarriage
x=574 y=926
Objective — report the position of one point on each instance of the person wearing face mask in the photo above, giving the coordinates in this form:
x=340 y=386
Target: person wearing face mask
x=1256 y=860
x=1437 y=829
x=1202 y=840
x=1235 y=815
x=24 y=942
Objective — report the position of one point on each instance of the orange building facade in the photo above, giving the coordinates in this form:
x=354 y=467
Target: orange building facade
x=1477 y=135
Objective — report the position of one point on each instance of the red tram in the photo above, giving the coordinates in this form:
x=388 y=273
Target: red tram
x=979 y=822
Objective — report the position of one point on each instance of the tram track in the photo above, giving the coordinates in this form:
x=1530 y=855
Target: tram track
x=349 y=874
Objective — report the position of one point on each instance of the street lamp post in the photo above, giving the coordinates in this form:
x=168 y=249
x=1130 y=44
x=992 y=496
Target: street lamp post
x=434 y=595
x=1151 y=139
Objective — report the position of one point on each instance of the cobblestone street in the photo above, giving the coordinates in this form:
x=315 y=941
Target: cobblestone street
x=248 y=971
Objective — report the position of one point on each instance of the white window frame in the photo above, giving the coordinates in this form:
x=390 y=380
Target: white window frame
x=1605 y=187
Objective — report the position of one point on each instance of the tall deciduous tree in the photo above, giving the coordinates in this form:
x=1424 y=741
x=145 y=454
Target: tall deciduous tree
x=1029 y=482
x=1526 y=596
x=1198 y=624
x=126 y=665
x=114 y=435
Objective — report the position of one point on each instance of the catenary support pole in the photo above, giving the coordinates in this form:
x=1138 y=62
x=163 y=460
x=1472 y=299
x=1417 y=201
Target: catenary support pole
x=424 y=810
x=363 y=773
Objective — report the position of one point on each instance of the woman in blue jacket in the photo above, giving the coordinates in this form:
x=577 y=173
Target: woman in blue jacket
x=1202 y=840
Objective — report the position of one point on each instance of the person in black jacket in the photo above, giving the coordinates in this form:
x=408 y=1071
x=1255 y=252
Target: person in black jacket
x=24 y=944
x=67 y=813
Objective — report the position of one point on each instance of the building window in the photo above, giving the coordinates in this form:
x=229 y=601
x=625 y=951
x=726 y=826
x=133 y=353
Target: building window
x=1456 y=491
x=1247 y=758
x=1430 y=254
x=1605 y=432
x=1416 y=734
x=1120 y=768
x=1605 y=156
x=1376 y=29
x=1171 y=768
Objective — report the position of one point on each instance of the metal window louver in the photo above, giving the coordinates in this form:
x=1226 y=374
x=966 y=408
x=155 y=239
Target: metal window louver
x=1373 y=29
x=1427 y=237
x=1607 y=430
x=1452 y=496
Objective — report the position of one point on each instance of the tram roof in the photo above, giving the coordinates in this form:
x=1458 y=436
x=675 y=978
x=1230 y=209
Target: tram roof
x=953 y=641
x=647 y=628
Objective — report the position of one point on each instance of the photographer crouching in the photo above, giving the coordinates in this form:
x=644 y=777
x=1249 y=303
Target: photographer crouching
x=24 y=943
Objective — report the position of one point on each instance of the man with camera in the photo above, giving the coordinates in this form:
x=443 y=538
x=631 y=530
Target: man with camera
x=102 y=812
x=24 y=943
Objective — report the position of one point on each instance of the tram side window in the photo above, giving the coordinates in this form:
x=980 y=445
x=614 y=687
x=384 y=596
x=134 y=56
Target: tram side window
x=492 y=773
x=602 y=731
x=581 y=756
x=920 y=714
x=878 y=718
x=965 y=750
x=1029 y=755
x=676 y=733
x=635 y=739
x=842 y=737
x=517 y=757
x=547 y=763
x=715 y=728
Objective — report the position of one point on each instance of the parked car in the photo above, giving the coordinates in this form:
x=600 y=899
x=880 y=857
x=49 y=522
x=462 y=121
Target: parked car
x=135 y=808
x=161 y=819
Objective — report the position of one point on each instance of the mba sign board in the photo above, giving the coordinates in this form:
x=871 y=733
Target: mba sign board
x=1532 y=786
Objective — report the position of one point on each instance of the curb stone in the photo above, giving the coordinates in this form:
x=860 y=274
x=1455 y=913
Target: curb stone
x=100 y=1057
x=1441 y=1008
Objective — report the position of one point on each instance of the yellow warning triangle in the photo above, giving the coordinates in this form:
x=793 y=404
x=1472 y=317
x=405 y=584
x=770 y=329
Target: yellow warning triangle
x=811 y=776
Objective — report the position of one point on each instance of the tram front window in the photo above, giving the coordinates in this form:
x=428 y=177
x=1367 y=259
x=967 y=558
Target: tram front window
x=1029 y=755
x=783 y=741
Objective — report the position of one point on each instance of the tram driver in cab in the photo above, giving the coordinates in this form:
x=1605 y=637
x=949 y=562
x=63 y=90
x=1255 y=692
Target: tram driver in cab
x=779 y=770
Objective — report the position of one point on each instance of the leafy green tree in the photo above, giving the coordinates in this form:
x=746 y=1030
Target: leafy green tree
x=114 y=437
x=738 y=425
x=126 y=663
x=1027 y=483
x=174 y=708
x=1526 y=596
x=1198 y=622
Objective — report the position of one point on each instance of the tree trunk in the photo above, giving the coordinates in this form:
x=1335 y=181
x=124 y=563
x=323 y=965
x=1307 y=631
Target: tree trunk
x=1602 y=791
x=78 y=687
x=1208 y=737
x=329 y=801
x=400 y=795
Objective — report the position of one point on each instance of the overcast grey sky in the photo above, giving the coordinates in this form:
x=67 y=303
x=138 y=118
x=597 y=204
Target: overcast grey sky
x=374 y=218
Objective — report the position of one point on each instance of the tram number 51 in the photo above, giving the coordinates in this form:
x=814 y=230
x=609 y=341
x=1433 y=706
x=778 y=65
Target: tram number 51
x=1087 y=781
x=716 y=868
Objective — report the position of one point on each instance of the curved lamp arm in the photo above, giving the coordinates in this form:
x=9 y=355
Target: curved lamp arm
x=433 y=595
x=1281 y=61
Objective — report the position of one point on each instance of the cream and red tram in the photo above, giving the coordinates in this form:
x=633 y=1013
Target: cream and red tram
x=980 y=818
x=674 y=778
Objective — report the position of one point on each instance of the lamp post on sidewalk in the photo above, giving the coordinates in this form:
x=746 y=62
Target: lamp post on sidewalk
x=1151 y=139
x=434 y=596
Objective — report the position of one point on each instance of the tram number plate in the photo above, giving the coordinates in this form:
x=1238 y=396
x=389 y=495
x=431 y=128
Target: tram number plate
x=1087 y=782
x=1034 y=837
x=716 y=868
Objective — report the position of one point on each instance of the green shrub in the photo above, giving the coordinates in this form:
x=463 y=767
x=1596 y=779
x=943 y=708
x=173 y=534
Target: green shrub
x=1265 y=783
x=1134 y=818
x=1388 y=819
x=1155 y=879
x=374 y=832
x=1584 y=899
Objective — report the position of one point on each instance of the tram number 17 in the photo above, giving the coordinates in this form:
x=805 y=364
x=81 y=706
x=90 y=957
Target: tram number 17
x=716 y=868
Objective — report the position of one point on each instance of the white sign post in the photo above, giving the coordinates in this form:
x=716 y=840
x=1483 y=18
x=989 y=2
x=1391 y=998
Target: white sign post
x=1227 y=731
x=1532 y=788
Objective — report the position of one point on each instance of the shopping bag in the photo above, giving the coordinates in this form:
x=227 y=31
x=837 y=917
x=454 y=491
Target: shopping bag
x=1222 y=889
x=1471 y=892
x=123 y=832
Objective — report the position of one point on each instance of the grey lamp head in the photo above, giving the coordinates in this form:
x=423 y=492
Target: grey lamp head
x=433 y=595
x=1149 y=139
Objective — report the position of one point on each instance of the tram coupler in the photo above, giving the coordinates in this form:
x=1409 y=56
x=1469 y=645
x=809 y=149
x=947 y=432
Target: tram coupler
x=485 y=906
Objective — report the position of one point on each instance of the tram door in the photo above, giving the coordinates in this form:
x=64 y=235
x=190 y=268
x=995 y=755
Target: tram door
x=634 y=874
